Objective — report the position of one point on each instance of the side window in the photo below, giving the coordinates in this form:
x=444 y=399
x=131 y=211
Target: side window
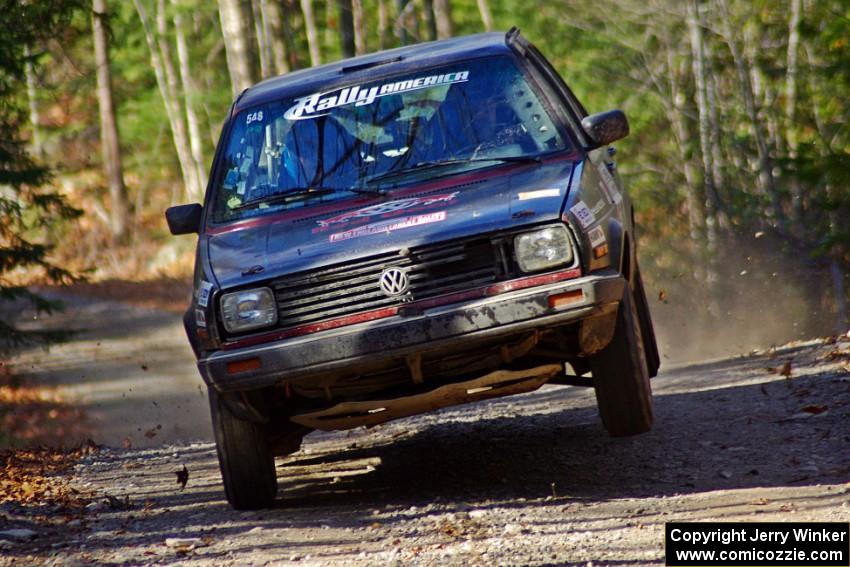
x=574 y=108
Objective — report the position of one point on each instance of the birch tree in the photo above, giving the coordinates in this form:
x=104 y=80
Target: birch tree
x=767 y=184
x=486 y=15
x=235 y=27
x=32 y=102
x=359 y=23
x=382 y=24
x=312 y=34
x=109 y=140
x=261 y=32
x=188 y=84
x=277 y=34
x=443 y=18
x=791 y=71
x=346 y=27
x=166 y=83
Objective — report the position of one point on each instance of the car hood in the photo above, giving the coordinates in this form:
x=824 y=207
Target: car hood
x=451 y=207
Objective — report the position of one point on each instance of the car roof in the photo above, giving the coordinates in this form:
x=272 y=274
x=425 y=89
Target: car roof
x=374 y=66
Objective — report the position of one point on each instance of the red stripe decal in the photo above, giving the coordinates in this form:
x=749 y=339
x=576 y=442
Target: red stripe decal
x=385 y=312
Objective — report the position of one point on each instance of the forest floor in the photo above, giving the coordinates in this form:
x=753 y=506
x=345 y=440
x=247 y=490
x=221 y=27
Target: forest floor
x=531 y=479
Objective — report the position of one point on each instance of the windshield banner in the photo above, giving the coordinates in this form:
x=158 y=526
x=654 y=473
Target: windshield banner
x=320 y=104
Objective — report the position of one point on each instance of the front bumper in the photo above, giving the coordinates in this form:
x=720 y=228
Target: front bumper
x=447 y=328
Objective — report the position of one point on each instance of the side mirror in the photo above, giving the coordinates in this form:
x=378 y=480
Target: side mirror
x=606 y=127
x=184 y=219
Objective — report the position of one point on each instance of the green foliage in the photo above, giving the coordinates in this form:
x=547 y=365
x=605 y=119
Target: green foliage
x=26 y=211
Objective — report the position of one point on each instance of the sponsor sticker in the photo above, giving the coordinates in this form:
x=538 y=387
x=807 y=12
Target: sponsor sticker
x=388 y=226
x=597 y=236
x=320 y=104
x=609 y=185
x=204 y=293
x=200 y=318
x=584 y=215
x=597 y=208
x=539 y=194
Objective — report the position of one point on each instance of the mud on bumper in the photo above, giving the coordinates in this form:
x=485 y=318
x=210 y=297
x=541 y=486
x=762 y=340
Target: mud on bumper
x=446 y=328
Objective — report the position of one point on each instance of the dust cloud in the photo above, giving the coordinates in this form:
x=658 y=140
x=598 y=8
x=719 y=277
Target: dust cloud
x=756 y=297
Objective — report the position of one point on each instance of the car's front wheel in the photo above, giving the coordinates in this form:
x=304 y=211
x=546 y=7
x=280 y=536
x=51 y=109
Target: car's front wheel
x=244 y=456
x=621 y=377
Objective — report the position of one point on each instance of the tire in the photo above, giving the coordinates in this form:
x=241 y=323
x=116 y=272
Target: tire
x=650 y=345
x=621 y=377
x=244 y=456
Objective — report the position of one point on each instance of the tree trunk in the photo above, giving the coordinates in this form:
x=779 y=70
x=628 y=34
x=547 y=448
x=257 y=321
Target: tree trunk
x=678 y=118
x=359 y=27
x=172 y=107
x=312 y=34
x=291 y=18
x=109 y=141
x=261 y=31
x=346 y=28
x=443 y=17
x=35 y=119
x=194 y=189
x=400 y=29
x=701 y=96
x=486 y=15
x=718 y=163
x=382 y=24
x=195 y=144
x=767 y=184
x=235 y=22
x=273 y=22
x=331 y=23
x=797 y=220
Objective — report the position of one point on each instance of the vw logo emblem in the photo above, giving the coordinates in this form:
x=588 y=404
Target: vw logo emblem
x=394 y=281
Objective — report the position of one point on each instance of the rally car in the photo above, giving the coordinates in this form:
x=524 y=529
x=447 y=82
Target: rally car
x=407 y=230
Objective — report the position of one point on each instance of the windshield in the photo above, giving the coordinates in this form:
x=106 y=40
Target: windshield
x=374 y=136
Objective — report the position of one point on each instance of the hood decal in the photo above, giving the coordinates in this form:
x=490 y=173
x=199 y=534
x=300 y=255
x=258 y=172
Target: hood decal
x=388 y=226
x=385 y=210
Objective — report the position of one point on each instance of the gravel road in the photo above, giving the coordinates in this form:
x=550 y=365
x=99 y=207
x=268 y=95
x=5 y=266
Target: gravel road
x=532 y=479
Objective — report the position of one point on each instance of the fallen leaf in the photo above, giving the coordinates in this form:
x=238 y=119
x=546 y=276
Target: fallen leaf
x=144 y=367
x=662 y=296
x=127 y=443
x=786 y=369
x=118 y=503
x=182 y=477
x=150 y=433
x=815 y=410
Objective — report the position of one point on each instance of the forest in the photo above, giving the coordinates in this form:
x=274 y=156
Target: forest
x=738 y=161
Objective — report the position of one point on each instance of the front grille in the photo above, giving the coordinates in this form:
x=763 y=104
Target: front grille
x=353 y=287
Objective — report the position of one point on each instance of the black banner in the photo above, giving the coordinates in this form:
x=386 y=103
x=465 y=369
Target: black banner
x=740 y=544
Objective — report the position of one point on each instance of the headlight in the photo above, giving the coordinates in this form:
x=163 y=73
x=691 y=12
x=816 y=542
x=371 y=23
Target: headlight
x=249 y=309
x=543 y=249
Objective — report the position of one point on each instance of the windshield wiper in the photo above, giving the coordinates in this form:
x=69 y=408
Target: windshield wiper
x=424 y=165
x=304 y=192
x=366 y=190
